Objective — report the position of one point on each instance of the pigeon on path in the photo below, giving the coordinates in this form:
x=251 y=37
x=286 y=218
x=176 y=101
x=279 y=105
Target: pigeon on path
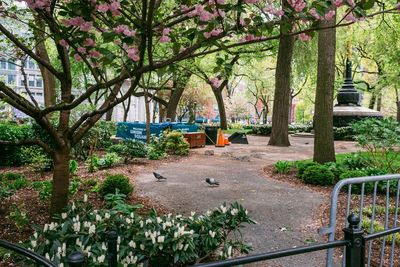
x=212 y=181
x=159 y=177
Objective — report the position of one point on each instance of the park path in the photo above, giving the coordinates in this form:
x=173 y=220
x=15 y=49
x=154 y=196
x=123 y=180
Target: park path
x=286 y=214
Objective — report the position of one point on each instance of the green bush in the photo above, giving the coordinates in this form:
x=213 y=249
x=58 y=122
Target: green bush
x=356 y=161
x=175 y=143
x=11 y=182
x=73 y=166
x=282 y=166
x=156 y=149
x=114 y=182
x=165 y=240
x=12 y=155
x=129 y=149
x=318 y=175
x=97 y=138
x=356 y=188
x=95 y=163
x=11 y=176
x=302 y=166
x=343 y=133
x=381 y=139
x=336 y=168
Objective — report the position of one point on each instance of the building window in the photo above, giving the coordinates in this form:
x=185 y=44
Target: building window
x=31 y=64
x=39 y=94
x=22 y=81
x=39 y=81
x=3 y=65
x=11 y=78
x=11 y=65
x=31 y=80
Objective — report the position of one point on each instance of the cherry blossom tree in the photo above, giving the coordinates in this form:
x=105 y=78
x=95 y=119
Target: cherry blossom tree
x=132 y=38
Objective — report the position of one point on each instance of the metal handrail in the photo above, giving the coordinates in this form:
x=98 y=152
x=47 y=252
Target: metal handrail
x=27 y=253
x=276 y=254
x=382 y=234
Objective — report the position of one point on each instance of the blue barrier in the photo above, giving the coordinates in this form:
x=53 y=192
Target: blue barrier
x=137 y=130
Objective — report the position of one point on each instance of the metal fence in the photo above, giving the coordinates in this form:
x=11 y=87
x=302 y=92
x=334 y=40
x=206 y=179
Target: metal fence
x=367 y=189
x=356 y=244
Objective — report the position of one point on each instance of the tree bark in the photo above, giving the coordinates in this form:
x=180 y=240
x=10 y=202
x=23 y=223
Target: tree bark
x=379 y=102
x=221 y=109
x=109 y=115
x=147 y=107
x=372 y=101
x=127 y=108
x=174 y=101
x=49 y=83
x=324 y=147
x=280 y=118
x=59 y=198
x=398 y=110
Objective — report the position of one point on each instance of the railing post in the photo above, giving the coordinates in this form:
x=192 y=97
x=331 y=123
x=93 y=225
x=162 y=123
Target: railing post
x=76 y=259
x=354 y=235
x=112 y=248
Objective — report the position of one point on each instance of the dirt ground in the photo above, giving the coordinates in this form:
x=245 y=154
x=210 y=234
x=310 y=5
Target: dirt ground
x=287 y=214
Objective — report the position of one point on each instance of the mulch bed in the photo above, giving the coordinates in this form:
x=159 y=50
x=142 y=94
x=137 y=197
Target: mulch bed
x=322 y=216
x=27 y=199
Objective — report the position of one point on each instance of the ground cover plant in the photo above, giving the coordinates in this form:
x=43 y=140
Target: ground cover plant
x=157 y=240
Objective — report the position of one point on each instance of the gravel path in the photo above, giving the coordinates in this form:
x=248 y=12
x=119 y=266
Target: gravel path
x=286 y=214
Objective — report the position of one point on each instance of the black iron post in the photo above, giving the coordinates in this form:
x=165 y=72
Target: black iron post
x=112 y=248
x=76 y=259
x=354 y=249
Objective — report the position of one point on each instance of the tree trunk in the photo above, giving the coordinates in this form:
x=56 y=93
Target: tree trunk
x=109 y=115
x=324 y=146
x=280 y=118
x=49 y=83
x=59 y=197
x=174 y=101
x=147 y=107
x=398 y=111
x=379 y=102
x=127 y=108
x=221 y=109
x=371 y=104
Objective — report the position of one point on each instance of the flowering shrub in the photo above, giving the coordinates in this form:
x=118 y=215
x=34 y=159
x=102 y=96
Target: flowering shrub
x=170 y=239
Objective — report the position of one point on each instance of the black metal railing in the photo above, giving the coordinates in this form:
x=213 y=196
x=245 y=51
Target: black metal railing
x=354 y=244
x=40 y=260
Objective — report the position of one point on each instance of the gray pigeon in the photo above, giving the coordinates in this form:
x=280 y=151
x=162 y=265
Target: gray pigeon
x=212 y=181
x=159 y=177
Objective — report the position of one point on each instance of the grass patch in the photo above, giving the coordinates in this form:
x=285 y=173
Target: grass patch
x=233 y=130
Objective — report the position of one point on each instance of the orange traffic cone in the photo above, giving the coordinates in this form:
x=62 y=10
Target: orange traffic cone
x=227 y=143
x=221 y=139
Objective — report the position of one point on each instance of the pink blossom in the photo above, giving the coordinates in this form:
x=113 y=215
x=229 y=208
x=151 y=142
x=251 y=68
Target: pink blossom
x=115 y=6
x=220 y=2
x=95 y=53
x=313 y=12
x=251 y=1
x=219 y=13
x=216 y=32
x=121 y=28
x=38 y=4
x=338 y=3
x=133 y=53
x=86 y=26
x=242 y=22
x=350 y=17
x=77 y=57
x=398 y=6
x=351 y=3
x=166 y=31
x=130 y=33
x=63 y=43
x=215 y=82
x=82 y=50
x=278 y=12
x=184 y=8
x=207 y=34
x=205 y=16
x=165 y=39
x=103 y=8
x=304 y=37
x=330 y=15
x=297 y=5
x=89 y=42
x=77 y=21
